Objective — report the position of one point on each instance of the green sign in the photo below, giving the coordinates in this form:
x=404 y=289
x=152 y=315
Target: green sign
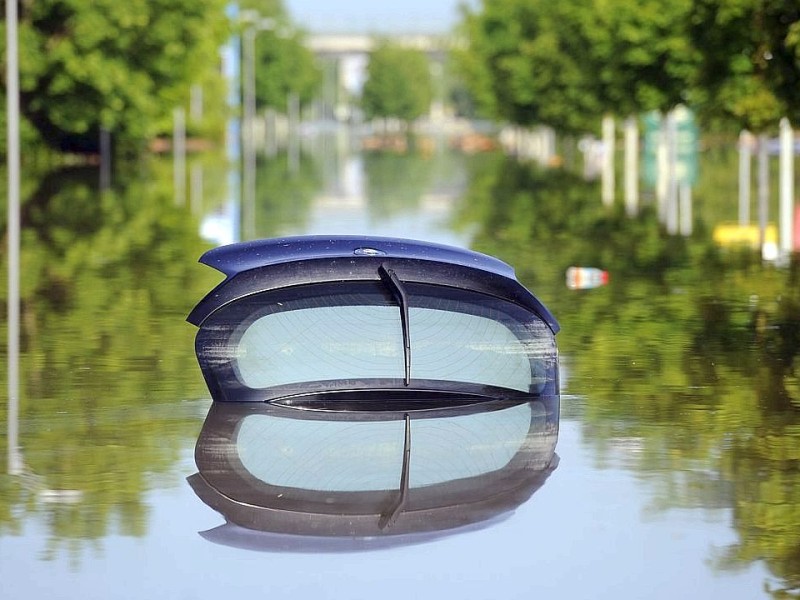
x=682 y=134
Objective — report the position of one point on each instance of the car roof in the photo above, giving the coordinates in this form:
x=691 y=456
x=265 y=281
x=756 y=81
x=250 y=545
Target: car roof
x=268 y=264
x=244 y=256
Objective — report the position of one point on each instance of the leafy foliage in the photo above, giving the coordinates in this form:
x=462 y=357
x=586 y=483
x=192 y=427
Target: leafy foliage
x=122 y=66
x=565 y=63
x=285 y=67
x=524 y=63
x=108 y=377
x=689 y=355
x=398 y=84
x=750 y=70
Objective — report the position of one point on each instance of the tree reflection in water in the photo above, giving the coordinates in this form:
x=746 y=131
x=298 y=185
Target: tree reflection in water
x=684 y=365
x=106 y=381
x=686 y=362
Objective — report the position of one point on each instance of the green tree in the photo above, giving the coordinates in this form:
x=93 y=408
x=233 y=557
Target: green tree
x=273 y=9
x=689 y=352
x=122 y=66
x=640 y=53
x=285 y=67
x=398 y=84
x=108 y=378
x=750 y=68
x=565 y=63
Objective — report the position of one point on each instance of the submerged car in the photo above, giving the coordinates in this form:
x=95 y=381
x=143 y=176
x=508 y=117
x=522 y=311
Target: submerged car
x=325 y=322
x=367 y=388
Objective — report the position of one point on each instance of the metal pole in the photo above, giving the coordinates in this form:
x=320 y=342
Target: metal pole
x=786 y=186
x=105 y=159
x=248 y=145
x=763 y=189
x=662 y=169
x=745 y=159
x=196 y=189
x=631 y=166
x=607 y=182
x=196 y=102
x=294 y=141
x=179 y=155
x=13 y=159
x=672 y=175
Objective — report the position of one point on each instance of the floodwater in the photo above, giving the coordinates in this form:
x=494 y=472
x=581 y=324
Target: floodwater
x=678 y=470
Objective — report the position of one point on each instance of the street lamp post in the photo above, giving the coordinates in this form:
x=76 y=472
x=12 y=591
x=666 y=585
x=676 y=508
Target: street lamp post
x=253 y=24
x=13 y=159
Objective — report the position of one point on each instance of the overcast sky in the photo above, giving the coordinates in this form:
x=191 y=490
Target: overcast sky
x=374 y=15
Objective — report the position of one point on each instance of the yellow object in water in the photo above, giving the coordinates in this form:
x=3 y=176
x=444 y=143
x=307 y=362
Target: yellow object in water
x=733 y=234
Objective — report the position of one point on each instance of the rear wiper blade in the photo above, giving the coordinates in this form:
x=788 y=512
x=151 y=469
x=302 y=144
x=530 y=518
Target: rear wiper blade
x=399 y=293
x=389 y=517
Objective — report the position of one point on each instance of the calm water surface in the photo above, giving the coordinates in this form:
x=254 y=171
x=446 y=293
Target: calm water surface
x=679 y=446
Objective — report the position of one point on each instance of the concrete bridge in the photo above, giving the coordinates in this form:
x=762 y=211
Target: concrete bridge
x=342 y=44
x=344 y=58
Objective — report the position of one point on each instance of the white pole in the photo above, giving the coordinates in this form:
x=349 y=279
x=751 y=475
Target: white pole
x=196 y=102
x=763 y=188
x=631 y=166
x=745 y=160
x=13 y=160
x=271 y=120
x=105 y=159
x=550 y=142
x=662 y=168
x=607 y=179
x=179 y=155
x=293 y=110
x=248 y=141
x=786 y=186
x=196 y=190
x=672 y=175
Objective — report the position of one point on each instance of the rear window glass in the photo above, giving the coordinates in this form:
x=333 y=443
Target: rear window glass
x=355 y=342
x=352 y=335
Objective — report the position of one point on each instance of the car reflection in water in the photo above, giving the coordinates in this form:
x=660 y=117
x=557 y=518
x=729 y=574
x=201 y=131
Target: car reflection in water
x=325 y=434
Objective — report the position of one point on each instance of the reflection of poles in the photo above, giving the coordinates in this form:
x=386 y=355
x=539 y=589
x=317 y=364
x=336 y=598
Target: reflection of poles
x=271 y=132
x=105 y=159
x=745 y=158
x=179 y=155
x=13 y=161
x=196 y=190
x=293 y=112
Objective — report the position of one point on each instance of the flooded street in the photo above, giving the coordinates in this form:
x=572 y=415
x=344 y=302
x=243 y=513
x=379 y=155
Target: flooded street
x=679 y=440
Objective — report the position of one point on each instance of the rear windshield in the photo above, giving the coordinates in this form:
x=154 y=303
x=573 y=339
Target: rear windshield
x=356 y=332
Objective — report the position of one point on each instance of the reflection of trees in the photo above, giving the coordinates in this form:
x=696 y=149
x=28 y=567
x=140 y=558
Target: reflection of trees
x=284 y=195
x=396 y=182
x=108 y=362
x=687 y=357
